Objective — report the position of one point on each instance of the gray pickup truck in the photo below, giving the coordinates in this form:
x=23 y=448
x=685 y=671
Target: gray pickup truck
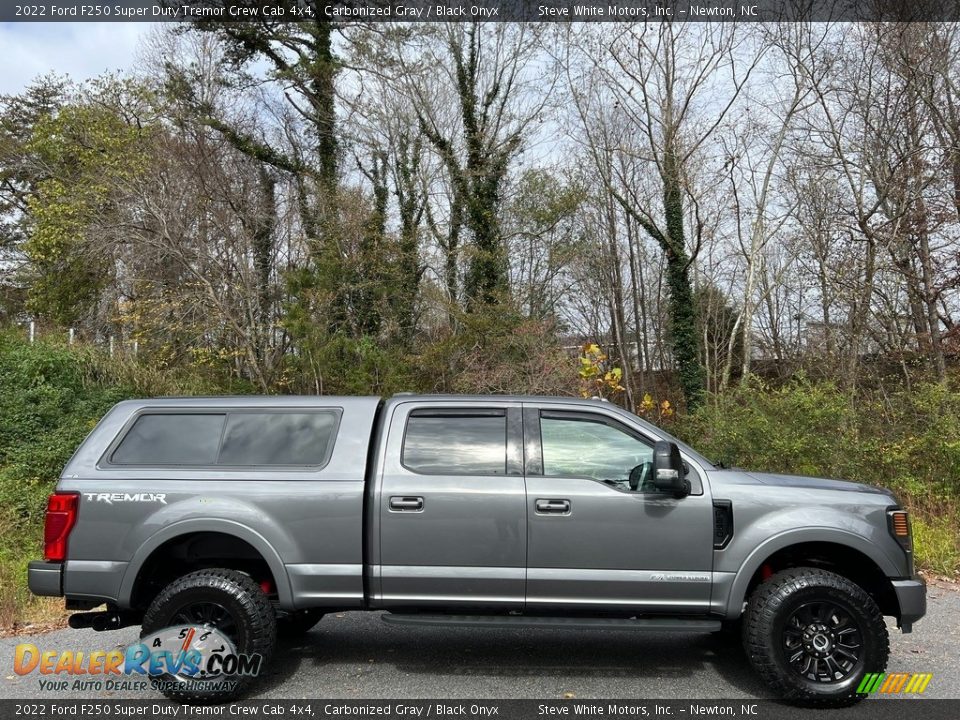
x=250 y=517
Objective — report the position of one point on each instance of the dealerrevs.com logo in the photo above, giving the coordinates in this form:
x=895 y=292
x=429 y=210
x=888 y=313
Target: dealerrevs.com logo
x=894 y=683
x=183 y=657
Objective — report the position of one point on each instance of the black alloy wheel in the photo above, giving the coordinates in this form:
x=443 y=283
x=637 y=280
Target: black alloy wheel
x=823 y=642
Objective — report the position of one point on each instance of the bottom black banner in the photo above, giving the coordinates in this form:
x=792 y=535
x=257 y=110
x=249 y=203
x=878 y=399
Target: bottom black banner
x=872 y=708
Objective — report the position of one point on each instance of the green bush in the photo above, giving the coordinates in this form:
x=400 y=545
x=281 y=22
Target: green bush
x=803 y=429
x=908 y=441
x=46 y=408
x=51 y=396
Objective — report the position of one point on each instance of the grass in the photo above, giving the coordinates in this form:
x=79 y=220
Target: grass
x=17 y=606
x=935 y=543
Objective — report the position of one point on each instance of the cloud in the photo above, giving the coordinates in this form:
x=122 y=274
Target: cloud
x=80 y=50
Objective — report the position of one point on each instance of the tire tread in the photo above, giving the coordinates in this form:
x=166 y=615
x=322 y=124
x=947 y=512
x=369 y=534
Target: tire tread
x=242 y=588
x=761 y=613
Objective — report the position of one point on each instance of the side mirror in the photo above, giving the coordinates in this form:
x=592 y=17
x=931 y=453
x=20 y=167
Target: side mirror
x=668 y=470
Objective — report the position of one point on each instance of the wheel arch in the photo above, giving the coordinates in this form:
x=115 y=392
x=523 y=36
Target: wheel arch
x=842 y=552
x=245 y=540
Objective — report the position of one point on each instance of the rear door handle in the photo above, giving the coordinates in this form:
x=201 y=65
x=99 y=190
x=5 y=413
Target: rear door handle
x=553 y=507
x=406 y=504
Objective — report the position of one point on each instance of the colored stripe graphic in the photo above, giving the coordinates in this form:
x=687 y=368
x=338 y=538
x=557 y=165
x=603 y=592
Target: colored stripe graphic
x=894 y=683
x=900 y=682
x=866 y=684
x=889 y=682
x=914 y=683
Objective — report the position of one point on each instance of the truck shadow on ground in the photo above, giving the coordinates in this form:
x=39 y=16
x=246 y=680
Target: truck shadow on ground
x=360 y=645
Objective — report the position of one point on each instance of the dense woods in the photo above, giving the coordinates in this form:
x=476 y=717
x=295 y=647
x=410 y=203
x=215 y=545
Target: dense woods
x=757 y=224
x=324 y=208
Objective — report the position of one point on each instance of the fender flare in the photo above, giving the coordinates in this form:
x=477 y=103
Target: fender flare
x=738 y=589
x=225 y=527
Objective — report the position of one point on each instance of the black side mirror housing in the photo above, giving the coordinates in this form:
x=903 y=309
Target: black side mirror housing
x=669 y=473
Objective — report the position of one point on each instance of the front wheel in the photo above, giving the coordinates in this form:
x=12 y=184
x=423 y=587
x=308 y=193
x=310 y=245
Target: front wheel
x=812 y=635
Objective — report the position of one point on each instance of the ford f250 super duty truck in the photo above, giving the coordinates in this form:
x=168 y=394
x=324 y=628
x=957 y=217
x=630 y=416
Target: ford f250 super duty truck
x=247 y=517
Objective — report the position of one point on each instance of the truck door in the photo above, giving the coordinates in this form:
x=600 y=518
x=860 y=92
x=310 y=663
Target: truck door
x=451 y=502
x=595 y=542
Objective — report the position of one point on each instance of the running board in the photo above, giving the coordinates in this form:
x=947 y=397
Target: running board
x=655 y=624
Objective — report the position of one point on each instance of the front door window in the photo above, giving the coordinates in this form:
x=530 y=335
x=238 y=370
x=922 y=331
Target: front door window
x=577 y=446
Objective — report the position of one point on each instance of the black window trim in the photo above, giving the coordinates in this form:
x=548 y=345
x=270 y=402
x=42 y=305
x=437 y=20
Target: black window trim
x=106 y=460
x=513 y=466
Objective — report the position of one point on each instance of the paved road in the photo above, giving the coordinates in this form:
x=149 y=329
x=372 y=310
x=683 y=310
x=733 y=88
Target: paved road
x=357 y=656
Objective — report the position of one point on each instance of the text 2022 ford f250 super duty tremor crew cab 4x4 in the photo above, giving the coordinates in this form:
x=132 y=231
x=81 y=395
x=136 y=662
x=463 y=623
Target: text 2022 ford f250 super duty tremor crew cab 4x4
x=244 y=517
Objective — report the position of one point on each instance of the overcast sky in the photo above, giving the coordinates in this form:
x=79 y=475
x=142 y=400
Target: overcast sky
x=80 y=50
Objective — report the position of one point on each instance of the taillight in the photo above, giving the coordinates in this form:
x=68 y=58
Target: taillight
x=60 y=519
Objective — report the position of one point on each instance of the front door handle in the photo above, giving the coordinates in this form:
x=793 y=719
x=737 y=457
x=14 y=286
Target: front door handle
x=406 y=504
x=553 y=507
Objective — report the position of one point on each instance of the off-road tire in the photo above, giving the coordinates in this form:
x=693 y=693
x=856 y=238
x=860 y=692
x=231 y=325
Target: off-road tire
x=242 y=597
x=773 y=603
x=294 y=624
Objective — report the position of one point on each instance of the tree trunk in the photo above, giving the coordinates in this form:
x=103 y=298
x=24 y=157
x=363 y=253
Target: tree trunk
x=639 y=320
x=930 y=294
x=859 y=314
x=683 y=312
x=323 y=100
x=411 y=209
x=618 y=324
x=263 y=258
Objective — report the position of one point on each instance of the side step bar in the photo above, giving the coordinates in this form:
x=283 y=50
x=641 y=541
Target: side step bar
x=655 y=624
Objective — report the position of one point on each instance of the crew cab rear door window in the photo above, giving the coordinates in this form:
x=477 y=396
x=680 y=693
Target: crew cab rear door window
x=171 y=439
x=456 y=442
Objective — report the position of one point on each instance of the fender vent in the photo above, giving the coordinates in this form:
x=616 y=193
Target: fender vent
x=722 y=523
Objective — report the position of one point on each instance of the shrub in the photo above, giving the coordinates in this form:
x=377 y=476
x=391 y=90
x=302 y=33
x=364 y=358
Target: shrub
x=908 y=441
x=51 y=396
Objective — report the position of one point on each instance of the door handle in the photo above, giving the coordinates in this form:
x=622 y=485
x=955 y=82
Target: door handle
x=406 y=504
x=553 y=507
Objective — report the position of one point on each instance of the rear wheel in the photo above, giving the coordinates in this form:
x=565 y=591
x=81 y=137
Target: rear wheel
x=215 y=603
x=812 y=635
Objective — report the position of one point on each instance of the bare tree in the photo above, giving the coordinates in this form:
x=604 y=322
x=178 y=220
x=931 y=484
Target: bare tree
x=476 y=90
x=674 y=85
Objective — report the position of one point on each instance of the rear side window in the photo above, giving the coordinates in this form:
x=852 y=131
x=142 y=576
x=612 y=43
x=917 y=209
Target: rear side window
x=460 y=443
x=230 y=439
x=169 y=439
x=278 y=438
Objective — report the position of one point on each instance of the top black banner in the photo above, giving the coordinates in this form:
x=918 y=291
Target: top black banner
x=480 y=10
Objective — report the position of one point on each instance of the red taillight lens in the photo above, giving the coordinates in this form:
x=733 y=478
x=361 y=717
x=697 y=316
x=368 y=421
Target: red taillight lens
x=59 y=521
